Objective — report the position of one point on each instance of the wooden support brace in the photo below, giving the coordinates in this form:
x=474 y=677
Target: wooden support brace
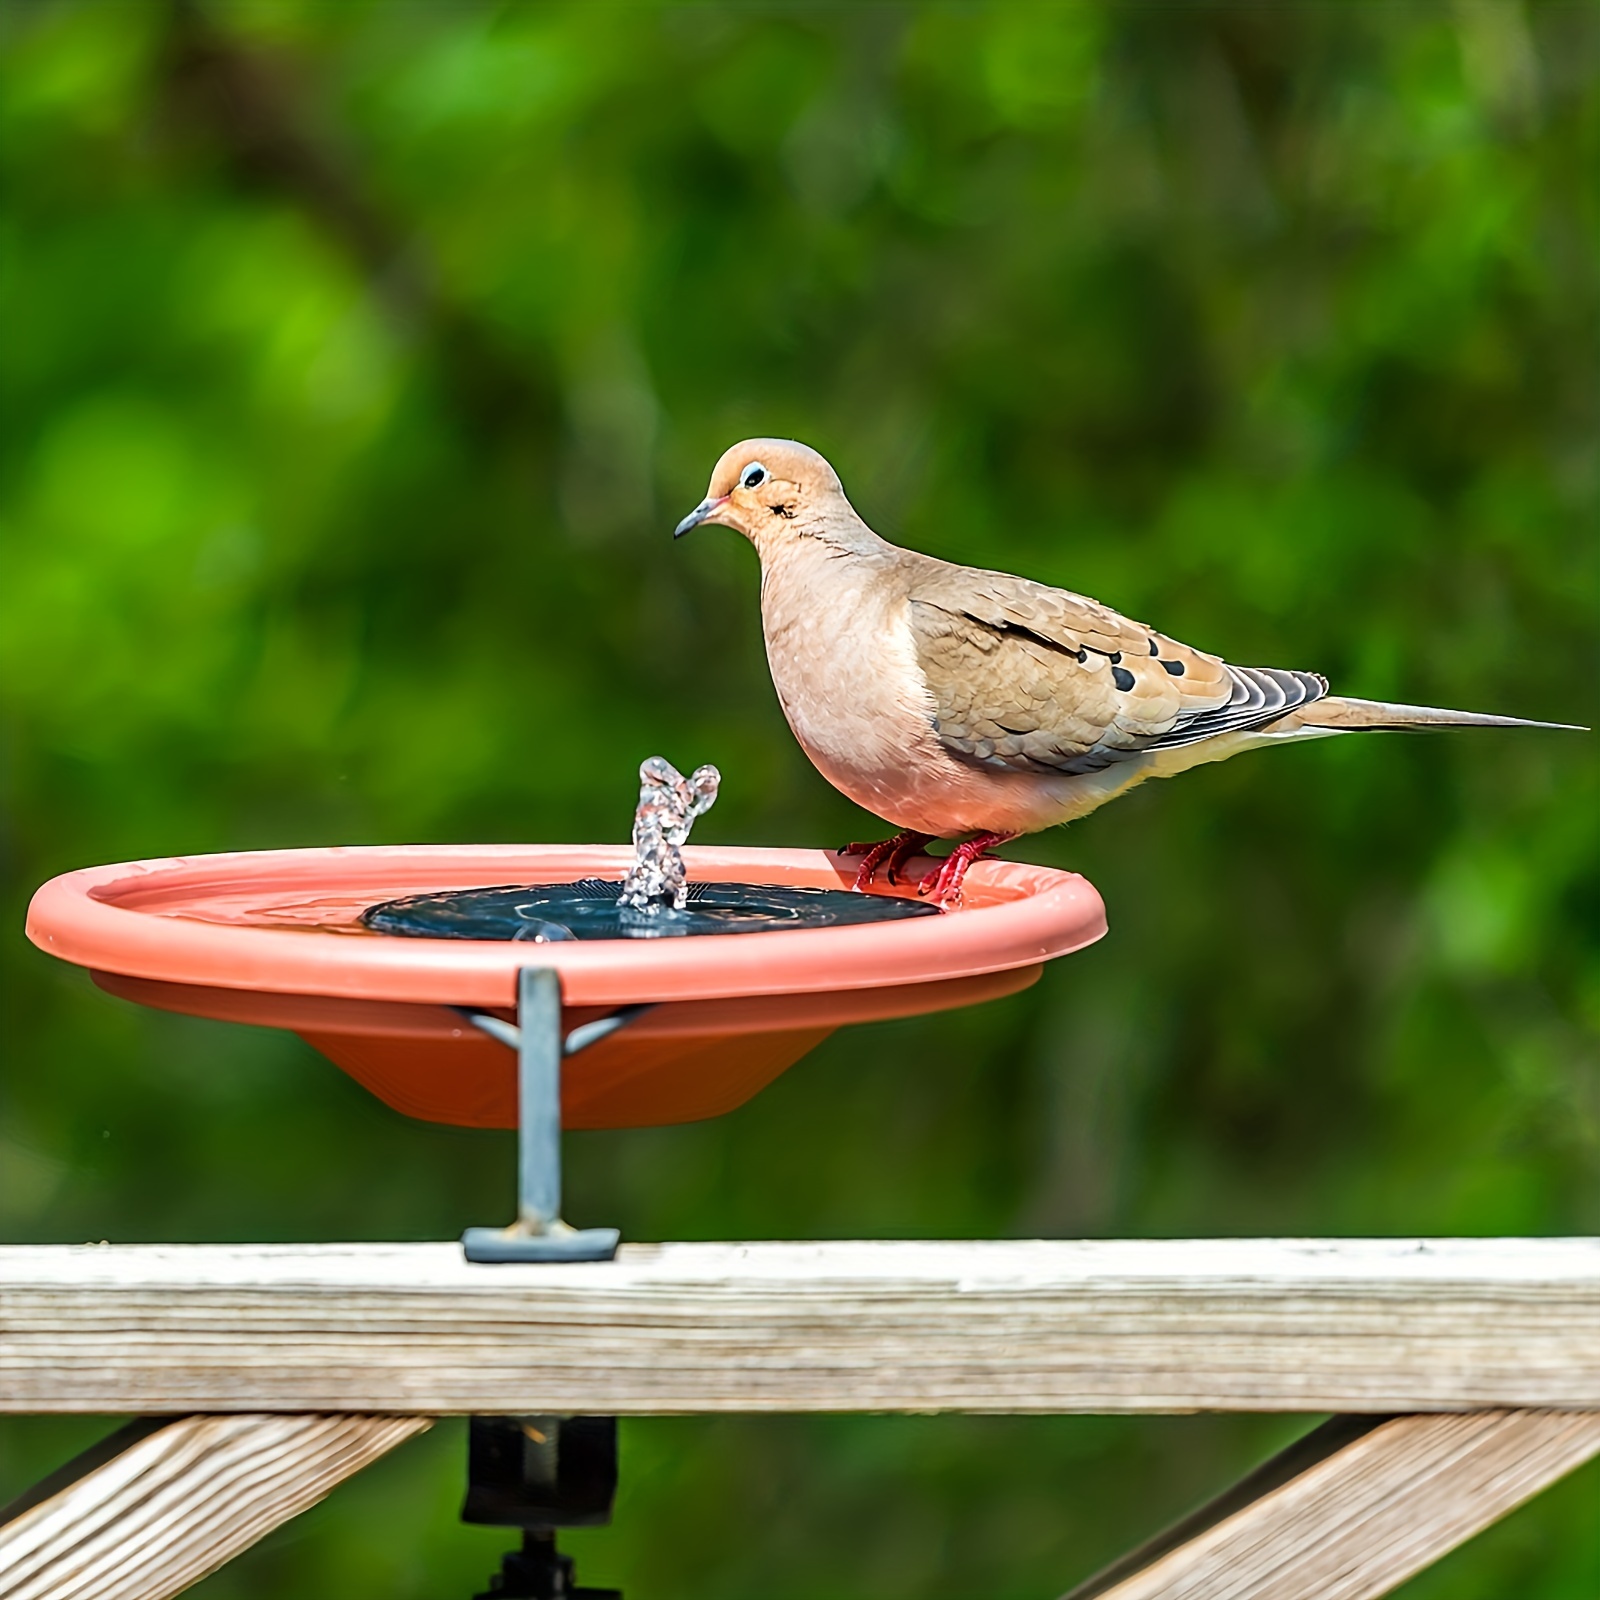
x=157 y=1506
x=1355 y=1508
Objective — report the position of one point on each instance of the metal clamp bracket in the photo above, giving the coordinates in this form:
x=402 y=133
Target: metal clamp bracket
x=539 y=1234
x=581 y=1037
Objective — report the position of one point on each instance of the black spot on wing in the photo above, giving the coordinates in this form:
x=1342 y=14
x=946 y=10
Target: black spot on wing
x=1174 y=667
x=1122 y=678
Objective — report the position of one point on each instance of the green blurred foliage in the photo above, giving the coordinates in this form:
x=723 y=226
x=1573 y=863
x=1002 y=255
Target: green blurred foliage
x=359 y=357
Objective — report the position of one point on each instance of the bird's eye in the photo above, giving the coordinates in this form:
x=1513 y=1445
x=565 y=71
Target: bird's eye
x=753 y=476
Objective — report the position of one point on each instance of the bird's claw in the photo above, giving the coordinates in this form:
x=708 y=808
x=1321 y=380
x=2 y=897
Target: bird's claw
x=896 y=852
x=943 y=885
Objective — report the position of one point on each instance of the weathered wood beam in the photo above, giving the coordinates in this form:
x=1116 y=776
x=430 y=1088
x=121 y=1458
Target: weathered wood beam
x=1024 y=1326
x=1355 y=1508
x=155 y=1508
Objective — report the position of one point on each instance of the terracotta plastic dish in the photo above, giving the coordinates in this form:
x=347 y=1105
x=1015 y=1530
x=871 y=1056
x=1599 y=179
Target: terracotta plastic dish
x=272 y=937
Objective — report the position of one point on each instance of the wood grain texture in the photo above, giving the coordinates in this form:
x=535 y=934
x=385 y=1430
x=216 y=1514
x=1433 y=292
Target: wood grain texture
x=1365 y=1517
x=182 y=1500
x=1250 y=1325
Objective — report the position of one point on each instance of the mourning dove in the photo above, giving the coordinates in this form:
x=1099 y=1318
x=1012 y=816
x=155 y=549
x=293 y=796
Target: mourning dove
x=952 y=701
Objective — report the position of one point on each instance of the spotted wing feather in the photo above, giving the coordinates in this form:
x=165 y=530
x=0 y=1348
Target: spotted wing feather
x=1035 y=679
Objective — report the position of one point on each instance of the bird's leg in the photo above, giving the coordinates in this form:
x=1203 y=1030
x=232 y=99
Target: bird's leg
x=908 y=844
x=943 y=884
x=896 y=851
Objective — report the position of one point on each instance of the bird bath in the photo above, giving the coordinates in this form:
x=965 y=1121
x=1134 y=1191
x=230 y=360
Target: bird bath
x=336 y=945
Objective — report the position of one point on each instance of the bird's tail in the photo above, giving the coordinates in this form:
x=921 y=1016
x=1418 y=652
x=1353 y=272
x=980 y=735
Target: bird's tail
x=1340 y=714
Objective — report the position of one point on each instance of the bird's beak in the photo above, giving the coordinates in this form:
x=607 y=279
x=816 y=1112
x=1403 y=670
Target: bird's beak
x=699 y=514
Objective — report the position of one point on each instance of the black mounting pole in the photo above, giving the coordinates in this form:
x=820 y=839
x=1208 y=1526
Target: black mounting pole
x=540 y=1474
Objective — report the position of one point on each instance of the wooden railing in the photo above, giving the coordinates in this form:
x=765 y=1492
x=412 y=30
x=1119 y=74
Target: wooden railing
x=1465 y=1374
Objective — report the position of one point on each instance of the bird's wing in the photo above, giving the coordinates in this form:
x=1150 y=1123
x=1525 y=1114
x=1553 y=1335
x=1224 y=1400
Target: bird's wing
x=1037 y=679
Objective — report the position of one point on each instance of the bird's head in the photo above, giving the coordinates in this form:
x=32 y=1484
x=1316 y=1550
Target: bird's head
x=769 y=490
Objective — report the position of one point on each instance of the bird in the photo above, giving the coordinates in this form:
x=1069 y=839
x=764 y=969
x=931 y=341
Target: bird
x=959 y=703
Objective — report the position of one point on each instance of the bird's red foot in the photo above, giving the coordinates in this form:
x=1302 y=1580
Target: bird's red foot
x=896 y=851
x=943 y=884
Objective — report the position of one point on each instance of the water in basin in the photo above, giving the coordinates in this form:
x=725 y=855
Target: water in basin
x=589 y=909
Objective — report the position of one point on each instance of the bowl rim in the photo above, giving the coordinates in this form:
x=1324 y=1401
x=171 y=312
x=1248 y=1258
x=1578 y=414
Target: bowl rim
x=121 y=918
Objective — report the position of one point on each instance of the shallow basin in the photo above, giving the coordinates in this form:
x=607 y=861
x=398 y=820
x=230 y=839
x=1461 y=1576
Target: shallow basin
x=275 y=938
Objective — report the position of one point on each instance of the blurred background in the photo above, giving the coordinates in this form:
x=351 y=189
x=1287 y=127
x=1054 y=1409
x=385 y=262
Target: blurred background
x=359 y=357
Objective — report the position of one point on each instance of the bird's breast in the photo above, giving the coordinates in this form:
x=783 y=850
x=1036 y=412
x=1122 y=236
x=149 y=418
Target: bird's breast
x=845 y=668
x=847 y=677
